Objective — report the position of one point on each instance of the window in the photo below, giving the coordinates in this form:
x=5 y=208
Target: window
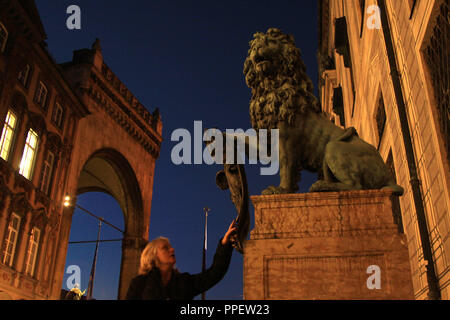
x=362 y=6
x=9 y=128
x=341 y=41
x=41 y=94
x=57 y=115
x=3 y=37
x=47 y=171
x=437 y=57
x=338 y=105
x=24 y=74
x=11 y=240
x=380 y=118
x=33 y=244
x=29 y=154
x=412 y=5
x=396 y=210
x=342 y=46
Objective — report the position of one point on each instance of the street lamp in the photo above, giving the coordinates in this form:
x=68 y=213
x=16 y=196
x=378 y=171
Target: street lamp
x=205 y=243
x=67 y=201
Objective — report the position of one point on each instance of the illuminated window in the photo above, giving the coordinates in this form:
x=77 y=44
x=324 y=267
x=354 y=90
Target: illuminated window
x=9 y=128
x=47 y=171
x=33 y=244
x=29 y=154
x=3 y=37
x=57 y=115
x=11 y=240
x=24 y=74
x=41 y=94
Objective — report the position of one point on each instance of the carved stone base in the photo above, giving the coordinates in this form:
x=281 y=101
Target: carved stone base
x=320 y=246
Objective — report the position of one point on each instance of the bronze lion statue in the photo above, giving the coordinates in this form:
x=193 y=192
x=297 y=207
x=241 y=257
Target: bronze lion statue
x=282 y=98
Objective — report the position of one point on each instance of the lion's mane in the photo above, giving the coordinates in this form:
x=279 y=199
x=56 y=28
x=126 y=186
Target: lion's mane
x=281 y=91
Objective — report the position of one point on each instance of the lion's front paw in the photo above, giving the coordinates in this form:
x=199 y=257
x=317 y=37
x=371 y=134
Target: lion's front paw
x=274 y=190
x=319 y=186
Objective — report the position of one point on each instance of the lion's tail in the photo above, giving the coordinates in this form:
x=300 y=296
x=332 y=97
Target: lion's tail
x=397 y=190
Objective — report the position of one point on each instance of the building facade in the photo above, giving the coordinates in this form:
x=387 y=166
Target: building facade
x=384 y=69
x=65 y=129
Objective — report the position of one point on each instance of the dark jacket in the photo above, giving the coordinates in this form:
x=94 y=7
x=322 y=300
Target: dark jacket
x=182 y=286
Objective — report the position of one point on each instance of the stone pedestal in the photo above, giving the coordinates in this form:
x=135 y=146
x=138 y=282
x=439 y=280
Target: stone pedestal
x=322 y=246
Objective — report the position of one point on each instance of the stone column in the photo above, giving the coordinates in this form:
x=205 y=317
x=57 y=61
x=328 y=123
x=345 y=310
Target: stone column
x=131 y=254
x=62 y=242
x=330 y=245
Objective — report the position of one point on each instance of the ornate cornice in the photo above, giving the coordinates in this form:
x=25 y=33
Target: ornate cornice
x=20 y=204
x=22 y=182
x=115 y=82
x=54 y=143
x=26 y=20
x=37 y=122
x=4 y=192
x=39 y=218
x=19 y=103
x=5 y=170
x=42 y=198
x=123 y=116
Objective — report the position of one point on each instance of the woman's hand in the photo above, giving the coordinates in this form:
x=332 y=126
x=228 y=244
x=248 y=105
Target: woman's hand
x=231 y=229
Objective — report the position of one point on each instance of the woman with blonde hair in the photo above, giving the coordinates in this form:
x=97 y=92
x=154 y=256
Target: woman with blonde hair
x=158 y=278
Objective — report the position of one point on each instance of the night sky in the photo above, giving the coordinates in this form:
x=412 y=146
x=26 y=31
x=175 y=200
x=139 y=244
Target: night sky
x=186 y=58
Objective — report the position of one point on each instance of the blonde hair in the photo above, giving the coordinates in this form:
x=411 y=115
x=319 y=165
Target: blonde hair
x=149 y=259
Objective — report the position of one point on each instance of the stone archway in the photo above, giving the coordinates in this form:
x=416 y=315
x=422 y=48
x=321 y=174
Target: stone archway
x=108 y=171
x=114 y=151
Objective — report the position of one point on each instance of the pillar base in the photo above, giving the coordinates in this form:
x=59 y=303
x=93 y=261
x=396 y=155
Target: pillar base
x=326 y=245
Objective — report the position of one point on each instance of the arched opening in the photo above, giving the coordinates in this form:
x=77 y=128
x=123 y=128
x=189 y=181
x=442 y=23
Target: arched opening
x=82 y=246
x=108 y=171
x=107 y=191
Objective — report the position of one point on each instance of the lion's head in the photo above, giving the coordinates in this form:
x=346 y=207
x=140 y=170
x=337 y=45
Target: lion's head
x=275 y=72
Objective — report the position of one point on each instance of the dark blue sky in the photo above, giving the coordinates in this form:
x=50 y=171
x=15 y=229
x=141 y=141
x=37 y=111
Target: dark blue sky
x=186 y=58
